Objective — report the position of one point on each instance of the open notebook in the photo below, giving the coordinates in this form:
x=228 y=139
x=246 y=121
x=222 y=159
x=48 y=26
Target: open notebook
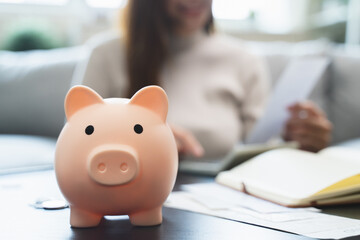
x=297 y=178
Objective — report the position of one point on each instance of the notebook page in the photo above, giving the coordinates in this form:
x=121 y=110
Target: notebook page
x=290 y=174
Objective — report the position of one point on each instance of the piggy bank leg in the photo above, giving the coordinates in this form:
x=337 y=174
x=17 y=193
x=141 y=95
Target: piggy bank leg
x=82 y=219
x=147 y=217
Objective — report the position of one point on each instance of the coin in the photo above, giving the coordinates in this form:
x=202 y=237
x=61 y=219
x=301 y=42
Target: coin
x=54 y=204
x=50 y=204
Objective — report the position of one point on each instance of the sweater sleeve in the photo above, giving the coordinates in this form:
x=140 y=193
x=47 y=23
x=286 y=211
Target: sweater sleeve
x=93 y=71
x=256 y=94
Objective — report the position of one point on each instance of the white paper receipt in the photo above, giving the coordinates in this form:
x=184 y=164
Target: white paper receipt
x=295 y=84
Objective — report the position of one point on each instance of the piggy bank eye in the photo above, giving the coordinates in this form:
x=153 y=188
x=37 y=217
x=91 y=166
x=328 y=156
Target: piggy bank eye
x=89 y=130
x=138 y=128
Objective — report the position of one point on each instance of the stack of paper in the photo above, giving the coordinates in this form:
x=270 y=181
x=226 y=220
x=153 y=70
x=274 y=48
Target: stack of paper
x=216 y=200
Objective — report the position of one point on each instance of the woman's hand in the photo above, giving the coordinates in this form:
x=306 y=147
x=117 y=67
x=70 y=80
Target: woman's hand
x=308 y=126
x=186 y=142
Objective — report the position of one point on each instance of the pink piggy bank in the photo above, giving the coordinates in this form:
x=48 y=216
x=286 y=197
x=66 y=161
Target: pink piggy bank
x=116 y=156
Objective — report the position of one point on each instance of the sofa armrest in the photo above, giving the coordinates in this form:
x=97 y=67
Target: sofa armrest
x=344 y=97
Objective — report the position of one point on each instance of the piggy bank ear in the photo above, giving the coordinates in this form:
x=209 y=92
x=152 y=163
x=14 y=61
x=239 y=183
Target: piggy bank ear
x=79 y=97
x=153 y=98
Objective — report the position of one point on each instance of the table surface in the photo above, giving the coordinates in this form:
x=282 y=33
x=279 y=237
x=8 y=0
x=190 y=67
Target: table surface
x=20 y=220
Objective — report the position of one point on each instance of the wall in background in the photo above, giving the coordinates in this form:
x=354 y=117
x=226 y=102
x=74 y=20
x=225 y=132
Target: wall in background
x=72 y=22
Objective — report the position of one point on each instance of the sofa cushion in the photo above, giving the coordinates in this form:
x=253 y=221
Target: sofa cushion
x=33 y=85
x=19 y=153
x=344 y=100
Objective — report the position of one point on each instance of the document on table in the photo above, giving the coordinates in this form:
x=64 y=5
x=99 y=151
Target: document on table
x=216 y=200
x=295 y=84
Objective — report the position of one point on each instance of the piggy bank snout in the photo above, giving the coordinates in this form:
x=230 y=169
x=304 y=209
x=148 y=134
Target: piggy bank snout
x=113 y=164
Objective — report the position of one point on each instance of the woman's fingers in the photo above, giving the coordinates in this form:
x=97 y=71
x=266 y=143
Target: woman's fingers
x=308 y=126
x=186 y=142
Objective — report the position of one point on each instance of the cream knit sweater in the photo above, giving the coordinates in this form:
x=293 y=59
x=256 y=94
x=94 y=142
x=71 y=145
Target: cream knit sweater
x=216 y=89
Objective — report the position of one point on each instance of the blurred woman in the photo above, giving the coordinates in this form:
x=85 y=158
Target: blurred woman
x=216 y=89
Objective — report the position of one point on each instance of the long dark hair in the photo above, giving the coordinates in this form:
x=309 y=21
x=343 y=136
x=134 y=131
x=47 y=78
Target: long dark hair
x=146 y=29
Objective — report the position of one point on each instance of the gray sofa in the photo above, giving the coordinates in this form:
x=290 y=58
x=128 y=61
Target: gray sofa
x=32 y=89
x=33 y=86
